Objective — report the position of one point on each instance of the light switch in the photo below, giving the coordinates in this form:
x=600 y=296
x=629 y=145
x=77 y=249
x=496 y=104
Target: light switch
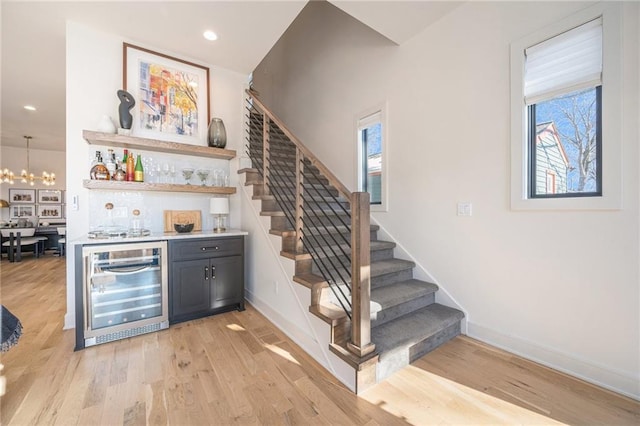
x=465 y=209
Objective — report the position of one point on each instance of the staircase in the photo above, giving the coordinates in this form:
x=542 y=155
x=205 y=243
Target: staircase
x=317 y=221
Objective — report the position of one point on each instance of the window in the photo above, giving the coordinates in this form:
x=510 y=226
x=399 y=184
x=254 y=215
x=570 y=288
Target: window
x=566 y=98
x=563 y=83
x=371 y=170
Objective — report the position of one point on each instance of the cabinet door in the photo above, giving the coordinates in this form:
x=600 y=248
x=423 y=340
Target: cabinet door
x=227 y=285
x=190 y=285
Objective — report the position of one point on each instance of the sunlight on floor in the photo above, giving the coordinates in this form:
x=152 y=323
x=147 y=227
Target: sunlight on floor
x=442 y=401
x=235 y=327
x=284 y=354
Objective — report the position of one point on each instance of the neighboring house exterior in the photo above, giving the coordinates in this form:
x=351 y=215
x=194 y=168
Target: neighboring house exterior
x=552 y=164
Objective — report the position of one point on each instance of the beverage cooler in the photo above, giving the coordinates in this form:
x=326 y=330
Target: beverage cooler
x=124 y=291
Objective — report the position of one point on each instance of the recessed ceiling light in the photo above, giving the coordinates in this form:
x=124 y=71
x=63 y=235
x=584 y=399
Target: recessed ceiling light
x=210 y=35
x=30 y=107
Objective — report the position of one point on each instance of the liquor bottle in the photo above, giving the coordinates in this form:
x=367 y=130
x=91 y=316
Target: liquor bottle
x=124 y=157
x=138 y=172
x=99 y=171
x=131 y=165
x=111 y=163
x=120 y=174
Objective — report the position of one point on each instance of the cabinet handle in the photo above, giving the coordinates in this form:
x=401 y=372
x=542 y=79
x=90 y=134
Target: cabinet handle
x=209 y=248
x=213 y=272
x=206 y=272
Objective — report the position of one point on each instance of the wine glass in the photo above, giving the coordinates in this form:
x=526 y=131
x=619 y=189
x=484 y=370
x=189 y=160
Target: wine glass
x=172 y=173
x=165 y=172
x=158 y=172
x=203 y=174
x=187 y=174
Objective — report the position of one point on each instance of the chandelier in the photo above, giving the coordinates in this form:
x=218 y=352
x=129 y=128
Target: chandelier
x=7 y=176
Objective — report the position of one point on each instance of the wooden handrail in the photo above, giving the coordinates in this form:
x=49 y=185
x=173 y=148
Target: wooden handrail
x=305 y=151
x=360 y=343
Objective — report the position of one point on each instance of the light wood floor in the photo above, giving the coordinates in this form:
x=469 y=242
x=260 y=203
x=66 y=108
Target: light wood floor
x=237 y=368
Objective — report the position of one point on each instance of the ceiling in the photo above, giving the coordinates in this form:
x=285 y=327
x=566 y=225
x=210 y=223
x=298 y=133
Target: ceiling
x=33 y=44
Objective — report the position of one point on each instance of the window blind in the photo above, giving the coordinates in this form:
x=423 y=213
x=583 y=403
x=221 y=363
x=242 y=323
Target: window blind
x=369 y=120
x=565 y=63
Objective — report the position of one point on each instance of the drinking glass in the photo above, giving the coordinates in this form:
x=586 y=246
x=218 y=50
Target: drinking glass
x=216 y=177
x=165 y=172
x=187 y=174
x=158 y=172
x=203 y=174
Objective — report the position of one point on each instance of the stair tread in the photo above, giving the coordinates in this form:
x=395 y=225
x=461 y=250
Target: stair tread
x=395 y=294
x=413 y=328
x=382 y=267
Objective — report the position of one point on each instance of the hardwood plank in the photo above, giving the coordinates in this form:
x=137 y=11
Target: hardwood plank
x=238 y=368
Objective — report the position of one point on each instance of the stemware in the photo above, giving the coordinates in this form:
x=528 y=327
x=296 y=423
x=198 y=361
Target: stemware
x=165 y=172
x=172 y=173
x=203 y=174
x=158 y=172
x=187 y=174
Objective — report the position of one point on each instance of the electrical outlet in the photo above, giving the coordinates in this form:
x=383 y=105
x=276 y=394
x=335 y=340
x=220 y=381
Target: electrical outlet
x=465 y=209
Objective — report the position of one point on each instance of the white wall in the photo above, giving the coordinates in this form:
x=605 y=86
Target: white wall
x=15 y=159
x=561 y=288
x=94 y=74
x=271 y=290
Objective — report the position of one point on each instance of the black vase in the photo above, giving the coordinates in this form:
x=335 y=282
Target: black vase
x=217 y=135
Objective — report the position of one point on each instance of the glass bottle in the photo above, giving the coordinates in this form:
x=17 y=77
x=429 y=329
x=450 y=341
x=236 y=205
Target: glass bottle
x=120 y=174
x=138 y=172
x=98 y=170
x=111 y=163
x=131 y=166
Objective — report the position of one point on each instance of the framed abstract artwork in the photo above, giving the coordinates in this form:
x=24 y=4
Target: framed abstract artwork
x=171 y=96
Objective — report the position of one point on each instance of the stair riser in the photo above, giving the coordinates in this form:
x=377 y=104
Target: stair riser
x=385 y=254
x=401 y=309
x=401 y=358
x=325 y=205
x=391 y=278
x=375 y=255
x=316 y=191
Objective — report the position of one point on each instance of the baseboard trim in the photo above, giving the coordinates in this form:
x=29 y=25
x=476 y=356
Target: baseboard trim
x=604 y=376
x=69 y=321
x=305 y=341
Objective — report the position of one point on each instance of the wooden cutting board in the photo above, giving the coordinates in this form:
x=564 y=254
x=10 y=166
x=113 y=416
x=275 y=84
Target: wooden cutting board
x=182 y=216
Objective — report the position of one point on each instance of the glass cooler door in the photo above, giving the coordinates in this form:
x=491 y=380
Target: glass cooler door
x=126 y=286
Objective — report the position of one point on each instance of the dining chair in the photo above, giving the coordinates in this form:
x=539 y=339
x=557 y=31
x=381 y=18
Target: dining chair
x=62 y=241
x=17 y=238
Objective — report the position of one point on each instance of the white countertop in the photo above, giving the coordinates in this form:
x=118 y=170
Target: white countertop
x=160 y=236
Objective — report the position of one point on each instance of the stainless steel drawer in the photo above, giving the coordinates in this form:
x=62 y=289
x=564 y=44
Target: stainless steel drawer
x=198 y=248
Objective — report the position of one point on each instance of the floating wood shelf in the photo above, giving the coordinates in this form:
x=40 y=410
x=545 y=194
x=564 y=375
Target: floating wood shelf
x=134 y=142
x=113 y=185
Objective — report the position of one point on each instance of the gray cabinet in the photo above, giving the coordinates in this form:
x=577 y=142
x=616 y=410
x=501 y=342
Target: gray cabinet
x=206 y=276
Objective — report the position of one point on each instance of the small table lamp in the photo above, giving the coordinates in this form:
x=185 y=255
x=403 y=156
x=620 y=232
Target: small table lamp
x=219 y=207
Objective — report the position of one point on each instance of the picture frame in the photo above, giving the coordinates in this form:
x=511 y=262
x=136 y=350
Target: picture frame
x=50 y=211
x=49 y=196
x=171 y=96
x=22 y=196
x=23 y=211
